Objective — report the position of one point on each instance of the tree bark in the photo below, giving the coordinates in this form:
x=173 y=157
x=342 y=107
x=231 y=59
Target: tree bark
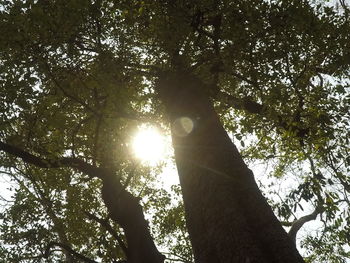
x=228 y=218
x=123 y=207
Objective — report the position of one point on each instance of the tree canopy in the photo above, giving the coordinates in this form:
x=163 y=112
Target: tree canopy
x=79 y=77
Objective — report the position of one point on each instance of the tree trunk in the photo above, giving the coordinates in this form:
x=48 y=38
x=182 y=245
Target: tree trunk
x=125 y=209
x=228 y=218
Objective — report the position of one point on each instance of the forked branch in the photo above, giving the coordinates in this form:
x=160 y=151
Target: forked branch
x=297 y=224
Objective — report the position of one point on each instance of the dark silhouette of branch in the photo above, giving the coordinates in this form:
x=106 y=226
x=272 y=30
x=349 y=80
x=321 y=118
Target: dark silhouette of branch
x=297 y=224
x=245 y=104
x=39 y=194
x=109 y=228
x=345 y=7
x=242 y=77
x=65 y=93
x=76 y=130
x=124 y=208
x=96 y=138
x=338 y=174
x=286 y=223
x=75 y=163
x=250 y=106
x=68 y=249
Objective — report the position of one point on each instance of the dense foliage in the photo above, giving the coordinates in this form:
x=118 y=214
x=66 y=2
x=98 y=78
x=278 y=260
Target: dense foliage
x=77 y=79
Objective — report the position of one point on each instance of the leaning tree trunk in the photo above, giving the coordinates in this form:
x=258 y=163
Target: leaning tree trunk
x=122 y=206
x=228 y=218
x=125 y=209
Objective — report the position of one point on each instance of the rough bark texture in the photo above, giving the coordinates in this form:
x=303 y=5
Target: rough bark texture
x=227 y=217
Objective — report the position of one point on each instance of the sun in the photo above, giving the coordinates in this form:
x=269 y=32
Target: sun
x=149 y=146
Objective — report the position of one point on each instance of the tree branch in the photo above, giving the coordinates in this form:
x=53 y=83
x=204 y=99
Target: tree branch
x=297 y=224
x=123 y=206
x=253 y=107
x=109 y=228
x=65 y=93
x=74 y=163
x=245 y=104
x=68 y=249
x=124 y=209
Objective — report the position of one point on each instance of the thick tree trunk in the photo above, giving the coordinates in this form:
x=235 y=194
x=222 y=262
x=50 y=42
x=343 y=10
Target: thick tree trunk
x=227 y=217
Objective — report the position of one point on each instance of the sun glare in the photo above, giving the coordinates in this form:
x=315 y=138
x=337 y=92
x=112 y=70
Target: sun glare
x=149 y=146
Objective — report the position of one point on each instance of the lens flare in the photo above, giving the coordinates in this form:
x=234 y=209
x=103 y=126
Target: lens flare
x=183 y=126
